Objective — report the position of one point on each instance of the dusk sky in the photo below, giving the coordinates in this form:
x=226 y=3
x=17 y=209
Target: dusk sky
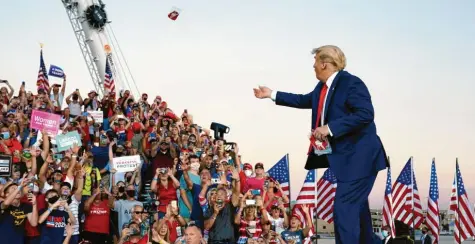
x=417 y=59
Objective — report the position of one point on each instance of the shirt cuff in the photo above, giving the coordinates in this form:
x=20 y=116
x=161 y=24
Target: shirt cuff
x=273 y=95
x=330 y=131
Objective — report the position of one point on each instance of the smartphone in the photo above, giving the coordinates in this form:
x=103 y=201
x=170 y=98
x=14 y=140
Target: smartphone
x=250 y=202
x=23 y=83
x=77 y=90
x=58 y=156
x=174 y=205
x=256 y=192
x=215 y=181
x=219 y=202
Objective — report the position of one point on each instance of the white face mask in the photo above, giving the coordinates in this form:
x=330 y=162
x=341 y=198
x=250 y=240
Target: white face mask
x=385 y=233
x=248 y=172
x=36 y=189
x=195 y=166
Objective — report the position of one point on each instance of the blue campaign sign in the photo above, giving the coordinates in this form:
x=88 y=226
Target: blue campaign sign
x=66 y=141
x=56 y=71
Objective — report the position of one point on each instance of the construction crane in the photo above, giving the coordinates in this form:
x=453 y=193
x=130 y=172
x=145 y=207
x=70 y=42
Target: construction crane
x=98 y=43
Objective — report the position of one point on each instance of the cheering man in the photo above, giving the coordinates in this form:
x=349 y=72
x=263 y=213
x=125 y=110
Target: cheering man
x=343 y=123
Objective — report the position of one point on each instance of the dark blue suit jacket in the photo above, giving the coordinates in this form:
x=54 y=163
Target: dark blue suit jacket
x=357 y=149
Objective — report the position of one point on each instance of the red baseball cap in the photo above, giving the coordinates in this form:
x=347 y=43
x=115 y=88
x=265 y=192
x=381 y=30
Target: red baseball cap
x=247 y=166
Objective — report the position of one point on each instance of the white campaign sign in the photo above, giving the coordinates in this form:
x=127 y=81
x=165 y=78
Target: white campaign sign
x=98 y=116
x=126 y=164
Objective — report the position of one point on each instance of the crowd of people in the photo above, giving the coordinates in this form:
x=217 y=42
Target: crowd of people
x=190 y=187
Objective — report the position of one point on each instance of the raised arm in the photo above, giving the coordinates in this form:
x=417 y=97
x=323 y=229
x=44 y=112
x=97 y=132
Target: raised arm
x=302 y=101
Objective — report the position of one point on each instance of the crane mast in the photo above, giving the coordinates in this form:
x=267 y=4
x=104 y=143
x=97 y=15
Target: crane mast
x=96 y=40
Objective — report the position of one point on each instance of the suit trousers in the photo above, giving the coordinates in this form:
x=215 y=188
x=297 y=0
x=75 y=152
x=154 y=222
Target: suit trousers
x=351 y=211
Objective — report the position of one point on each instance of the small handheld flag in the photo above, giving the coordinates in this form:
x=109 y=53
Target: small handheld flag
x=56 y=71
x=174 y=13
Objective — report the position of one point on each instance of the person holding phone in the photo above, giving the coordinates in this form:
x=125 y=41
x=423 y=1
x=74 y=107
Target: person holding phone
x=15 y=214
x=250 y=225
x=164 y=184
x=54 y=219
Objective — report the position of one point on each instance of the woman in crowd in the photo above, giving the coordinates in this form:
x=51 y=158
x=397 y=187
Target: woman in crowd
x=165 y=189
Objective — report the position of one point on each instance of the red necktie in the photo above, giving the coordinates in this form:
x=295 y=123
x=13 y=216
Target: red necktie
x=321 y=101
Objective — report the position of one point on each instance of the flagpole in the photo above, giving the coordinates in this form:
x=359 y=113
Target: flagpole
x=412 y=198
x=457 y=195
x=290 y=193
x=315 y=211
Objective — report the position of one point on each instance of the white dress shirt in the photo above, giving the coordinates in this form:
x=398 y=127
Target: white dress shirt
x=329 y=84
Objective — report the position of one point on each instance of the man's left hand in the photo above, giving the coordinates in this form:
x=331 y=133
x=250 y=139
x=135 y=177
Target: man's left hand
x=321 y=133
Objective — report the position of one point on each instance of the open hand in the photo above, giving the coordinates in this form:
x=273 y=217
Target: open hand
x=262 y=92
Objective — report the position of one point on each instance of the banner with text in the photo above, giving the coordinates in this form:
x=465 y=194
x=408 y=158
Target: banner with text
x=45 y=121
x=98 y=116
x=66 y=141
x=126 y=164
x=5 y=166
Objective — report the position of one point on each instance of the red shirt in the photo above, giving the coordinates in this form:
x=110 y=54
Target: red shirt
x=144 y=240
x=97 y=219
x=273 y=201
x=172 y=226
x=254 y=184
x=243 y=228
x=30 y=230
x=243 y=179
x=166 y=195
x=41 y=201
x=14 y=145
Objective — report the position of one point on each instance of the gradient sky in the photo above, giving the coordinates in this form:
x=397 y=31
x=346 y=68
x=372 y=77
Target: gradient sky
x=416 y=59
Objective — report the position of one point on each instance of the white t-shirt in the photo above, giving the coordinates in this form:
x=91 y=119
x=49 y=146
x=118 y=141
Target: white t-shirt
x=74 y=206
x=279 y=223
x=75 y=109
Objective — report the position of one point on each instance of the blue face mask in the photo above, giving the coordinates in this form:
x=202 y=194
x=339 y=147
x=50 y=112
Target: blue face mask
x=6 y=135
x=384 y=233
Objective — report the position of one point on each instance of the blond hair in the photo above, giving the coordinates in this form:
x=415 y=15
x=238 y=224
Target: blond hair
x=331 y=54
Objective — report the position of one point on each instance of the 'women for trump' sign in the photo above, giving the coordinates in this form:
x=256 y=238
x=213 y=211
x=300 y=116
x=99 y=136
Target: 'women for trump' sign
x=45 y=121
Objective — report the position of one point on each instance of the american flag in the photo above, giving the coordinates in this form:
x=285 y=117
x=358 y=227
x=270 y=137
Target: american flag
x=432 y=217
x=406 y=200
x=42 y=81
x=109 y=84
x=280 y=172
x=307 y=197
x=388 y=216
x=326 y=188
x=459 y=203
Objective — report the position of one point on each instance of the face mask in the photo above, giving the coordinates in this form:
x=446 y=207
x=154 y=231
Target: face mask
x=52 y=200
x=6 y=135
x=384 y=233
x=128 y=178
x=130 y=193
x=36 y=189
x=121 y=189
x=248 y=172
x=195 y=166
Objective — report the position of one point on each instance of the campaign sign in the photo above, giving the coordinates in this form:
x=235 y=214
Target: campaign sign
x=5 y=166
x=45 y=121
x=66 y=141
x=98 y=116
x=126 y=164
x=55 y=71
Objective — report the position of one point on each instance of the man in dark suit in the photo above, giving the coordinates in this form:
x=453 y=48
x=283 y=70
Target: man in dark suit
x=343 y=114
x=426 y=239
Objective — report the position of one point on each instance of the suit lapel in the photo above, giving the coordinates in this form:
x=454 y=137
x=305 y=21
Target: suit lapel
x=330 y=92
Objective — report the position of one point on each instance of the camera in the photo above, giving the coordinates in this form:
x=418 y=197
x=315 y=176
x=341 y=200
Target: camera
x=163 y=171
x=219 y=130
x=215 y=181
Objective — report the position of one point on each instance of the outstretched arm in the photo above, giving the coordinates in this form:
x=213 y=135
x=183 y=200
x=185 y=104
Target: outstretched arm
x=302 y=101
